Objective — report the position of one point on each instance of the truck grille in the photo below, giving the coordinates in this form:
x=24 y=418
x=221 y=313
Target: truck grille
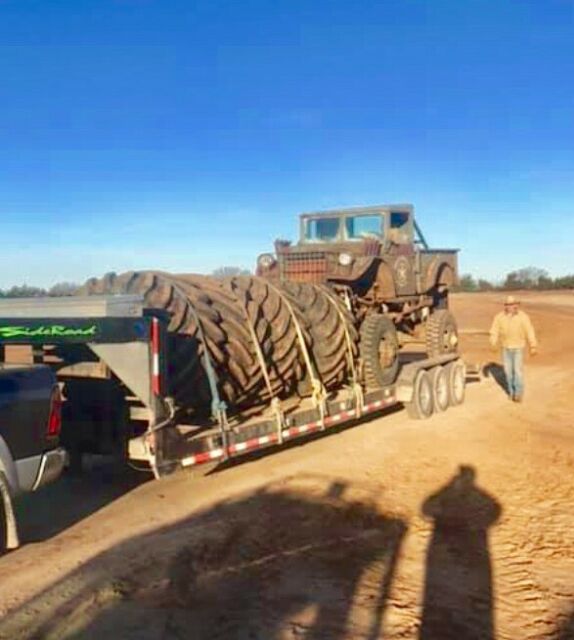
x=304 y=267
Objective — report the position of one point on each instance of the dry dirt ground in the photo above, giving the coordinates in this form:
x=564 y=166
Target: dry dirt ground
x=458 y=527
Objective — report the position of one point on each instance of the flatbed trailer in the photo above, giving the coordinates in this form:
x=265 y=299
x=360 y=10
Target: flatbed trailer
x=114 y=340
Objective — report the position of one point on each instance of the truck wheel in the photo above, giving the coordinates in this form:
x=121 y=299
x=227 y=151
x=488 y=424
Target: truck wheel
x=440 y=388
x=421 y=405
x=379 y=350
x=441 y=333
x=456 y=375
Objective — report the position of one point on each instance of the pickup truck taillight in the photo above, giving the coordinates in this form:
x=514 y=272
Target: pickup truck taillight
x=55 y=417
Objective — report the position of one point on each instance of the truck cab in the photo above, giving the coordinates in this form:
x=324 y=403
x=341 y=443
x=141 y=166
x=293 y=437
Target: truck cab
x=378 y=253
x=354 y=226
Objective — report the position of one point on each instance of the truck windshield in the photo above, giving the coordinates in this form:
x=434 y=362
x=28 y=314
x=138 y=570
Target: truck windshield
x=360 y=227
x=322 y=229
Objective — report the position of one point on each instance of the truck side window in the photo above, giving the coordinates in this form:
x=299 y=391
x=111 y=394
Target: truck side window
x=399 y=232
x=399 y=219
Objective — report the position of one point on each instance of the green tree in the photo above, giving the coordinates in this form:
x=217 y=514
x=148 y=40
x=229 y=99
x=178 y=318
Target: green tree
x=24 y=291
x=467 y=283
x=527 y=278
x=62 y=289
x=226 y=272
x=485 y=285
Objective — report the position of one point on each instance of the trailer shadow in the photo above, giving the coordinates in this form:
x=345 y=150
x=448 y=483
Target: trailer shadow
x=275 y=562
x=58 y=506
x=244 y=458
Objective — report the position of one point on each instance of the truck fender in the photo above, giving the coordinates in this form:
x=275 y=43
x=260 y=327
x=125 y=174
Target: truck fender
x=8 y=467
x=12 y=540
x=440 y=273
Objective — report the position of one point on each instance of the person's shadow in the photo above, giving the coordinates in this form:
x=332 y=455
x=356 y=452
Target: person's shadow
x=496 y=372
x=458 y=584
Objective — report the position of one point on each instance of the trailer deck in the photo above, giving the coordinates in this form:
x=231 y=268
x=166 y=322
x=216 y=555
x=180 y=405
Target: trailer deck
x=131 y=342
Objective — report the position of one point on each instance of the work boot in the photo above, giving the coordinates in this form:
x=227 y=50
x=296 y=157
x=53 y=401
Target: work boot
x=518 y=398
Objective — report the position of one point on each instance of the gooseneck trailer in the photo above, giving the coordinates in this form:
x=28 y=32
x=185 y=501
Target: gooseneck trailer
x=113 y=358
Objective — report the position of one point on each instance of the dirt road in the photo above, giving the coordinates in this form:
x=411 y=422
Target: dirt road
x=458 y=527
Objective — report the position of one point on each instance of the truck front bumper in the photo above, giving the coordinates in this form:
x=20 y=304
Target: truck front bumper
x=51 y=466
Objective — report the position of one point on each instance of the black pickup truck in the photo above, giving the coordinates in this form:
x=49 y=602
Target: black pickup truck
x=30 y=423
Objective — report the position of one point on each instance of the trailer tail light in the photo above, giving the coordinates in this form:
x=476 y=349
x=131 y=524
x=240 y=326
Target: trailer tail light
x=155 y=351
x=55 y=417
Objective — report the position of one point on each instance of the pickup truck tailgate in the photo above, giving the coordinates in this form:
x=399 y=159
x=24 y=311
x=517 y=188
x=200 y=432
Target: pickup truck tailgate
x=25 y=395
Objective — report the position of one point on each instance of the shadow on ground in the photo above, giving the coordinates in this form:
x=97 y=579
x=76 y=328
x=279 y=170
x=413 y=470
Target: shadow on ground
x=298 y=560
x=565 y=627
x=458 y=592
x=496 y=372
x=72 y=498
x=273 y=563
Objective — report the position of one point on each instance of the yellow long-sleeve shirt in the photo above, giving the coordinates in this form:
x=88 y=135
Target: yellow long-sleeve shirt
x=512 y=331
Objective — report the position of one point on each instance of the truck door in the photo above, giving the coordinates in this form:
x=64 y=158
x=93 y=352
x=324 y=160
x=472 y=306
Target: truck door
x=401 y=254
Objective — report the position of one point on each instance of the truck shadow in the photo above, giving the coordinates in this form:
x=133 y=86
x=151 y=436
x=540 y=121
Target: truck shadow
x=54 y=508
x=275 y=562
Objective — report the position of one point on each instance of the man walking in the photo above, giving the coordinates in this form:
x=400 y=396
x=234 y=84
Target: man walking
x=512 y=331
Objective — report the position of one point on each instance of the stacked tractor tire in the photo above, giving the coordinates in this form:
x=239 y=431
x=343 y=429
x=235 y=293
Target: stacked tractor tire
x=240 y=322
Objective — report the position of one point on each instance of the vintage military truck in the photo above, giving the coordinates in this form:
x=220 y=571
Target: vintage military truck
x=378 y=261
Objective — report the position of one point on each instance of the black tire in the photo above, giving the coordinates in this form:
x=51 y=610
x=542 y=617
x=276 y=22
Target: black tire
x=456 y=382
x=421 y=405
x=379 y=351
x=440 y=388
x=222 y=306
x=441 y=333
x=323 y=313
x=276 y=333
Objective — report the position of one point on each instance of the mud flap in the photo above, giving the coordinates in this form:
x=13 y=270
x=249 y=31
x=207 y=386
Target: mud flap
x=7 y=514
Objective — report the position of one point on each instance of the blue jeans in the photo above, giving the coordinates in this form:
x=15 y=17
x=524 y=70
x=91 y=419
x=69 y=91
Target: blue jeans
x=513 y=360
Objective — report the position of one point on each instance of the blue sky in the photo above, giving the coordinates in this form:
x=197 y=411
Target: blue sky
x=184 y=135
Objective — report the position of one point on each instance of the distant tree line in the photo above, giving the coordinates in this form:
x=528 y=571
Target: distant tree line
x=62 y=289
x=227 y=272
x=59 y=290
x=530 y=278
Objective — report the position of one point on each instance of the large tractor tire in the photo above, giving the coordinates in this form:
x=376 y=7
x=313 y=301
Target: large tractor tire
x=225 y=334
x=441 y=333
x=258 y=304
x=328 y=322
x=379 y=351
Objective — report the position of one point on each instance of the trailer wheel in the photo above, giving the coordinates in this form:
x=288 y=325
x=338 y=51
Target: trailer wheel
x=379 y=350
x=421 y=406
x=441 y=333
x=440 y=388
x=456 y=382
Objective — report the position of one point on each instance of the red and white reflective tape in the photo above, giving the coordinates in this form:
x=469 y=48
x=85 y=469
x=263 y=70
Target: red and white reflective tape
x=292 y=432
x=200 y=458
x=253 y=443
x=155 y=349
